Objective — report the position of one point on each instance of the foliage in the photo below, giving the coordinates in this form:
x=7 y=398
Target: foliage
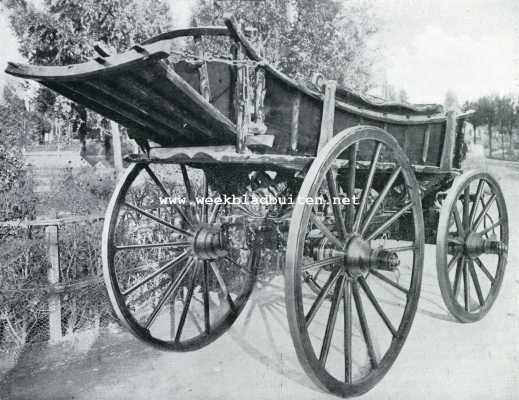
x=498 y=113
x=302 y=37
x=19 y=200
x=18 y=125
x=80 y=261
x=81 y=192
x=65 y=31
x=23 y=270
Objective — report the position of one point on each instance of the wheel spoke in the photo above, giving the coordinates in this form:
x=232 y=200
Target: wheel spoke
x=187 y=303
x=164 y=191
x=159 y=220
x=205 y=194
x=388 y=281
x=332 y=318
x=187 y=183
x=214 y=213
x=479 y=191
x=190 y=193
x=382 y=228
x=350 y=184
x=453 y=261
x=207 y=318
x=172 y=288
x=364 y=325
x=332 y=189
x=322 y=263
x=466 y=287
x=160 y=270
x=325 y=231
x=364 y=285
x=482 y=267
x=152 y=245
x=347 y=332
x=241 y=267
x=222 y=284
x=376 y=205
x=475 y=279
x=457 y=220
x=499 y=222
x=457 y=277
x=484 y=212
x=457 y=240
x=466 y=208
x=321 y=296
x=401 y=248
x=367 y=187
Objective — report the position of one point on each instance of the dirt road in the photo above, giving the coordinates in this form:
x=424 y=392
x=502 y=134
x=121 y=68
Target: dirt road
x=442 y=359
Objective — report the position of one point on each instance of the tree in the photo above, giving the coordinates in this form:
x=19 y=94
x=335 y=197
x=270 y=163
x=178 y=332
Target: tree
x=66 y=30
x=16 y=121
x=403 y=97
x=451 y=101
x=301 y=37
x=496 y=111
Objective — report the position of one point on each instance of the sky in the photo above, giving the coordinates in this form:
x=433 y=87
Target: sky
x=426 y=47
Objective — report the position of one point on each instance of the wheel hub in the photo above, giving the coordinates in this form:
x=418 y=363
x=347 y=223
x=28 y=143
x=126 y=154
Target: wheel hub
x=358 y=256
x=209 y=243
x=475 y=245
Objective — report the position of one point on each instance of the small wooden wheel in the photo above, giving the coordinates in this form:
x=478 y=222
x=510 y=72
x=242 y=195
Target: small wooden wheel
x=472 y=245
x=370 y=257
x=177 y=275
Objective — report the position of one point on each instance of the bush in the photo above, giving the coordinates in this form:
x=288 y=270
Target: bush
x=81 y=192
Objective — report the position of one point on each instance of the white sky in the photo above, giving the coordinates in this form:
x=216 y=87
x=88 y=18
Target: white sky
x=426 y=46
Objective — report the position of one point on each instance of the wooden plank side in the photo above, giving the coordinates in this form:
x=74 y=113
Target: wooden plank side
x=108 y=112
x=177 y=91
x=94 y=96
x=136 y=106
x=187 y=126
x=278 y=115
x=436 y=140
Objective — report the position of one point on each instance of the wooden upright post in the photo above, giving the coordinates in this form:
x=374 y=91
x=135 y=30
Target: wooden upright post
x=116 y=143
x=449 y=142
x=54 y=301
x=328 y=116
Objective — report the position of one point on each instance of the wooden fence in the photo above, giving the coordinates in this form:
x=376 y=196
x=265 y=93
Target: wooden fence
x=55 y=288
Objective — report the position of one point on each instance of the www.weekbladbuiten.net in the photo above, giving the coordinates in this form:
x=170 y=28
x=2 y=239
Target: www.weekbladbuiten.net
x=261 y=200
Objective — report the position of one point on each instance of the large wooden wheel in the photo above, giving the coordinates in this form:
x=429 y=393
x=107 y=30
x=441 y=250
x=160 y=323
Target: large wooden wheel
x=472 y=245
x=364 y=262
x=177 y=275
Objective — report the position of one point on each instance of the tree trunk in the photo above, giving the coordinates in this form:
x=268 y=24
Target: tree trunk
x=511 y=144
x=490 y=140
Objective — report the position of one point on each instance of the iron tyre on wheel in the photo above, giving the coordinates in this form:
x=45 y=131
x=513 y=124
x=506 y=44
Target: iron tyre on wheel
x=173 y=279
x=375 y=278
x=472 y=245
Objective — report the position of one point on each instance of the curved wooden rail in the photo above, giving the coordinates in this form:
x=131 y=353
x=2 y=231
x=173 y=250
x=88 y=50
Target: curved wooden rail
x=96 y=67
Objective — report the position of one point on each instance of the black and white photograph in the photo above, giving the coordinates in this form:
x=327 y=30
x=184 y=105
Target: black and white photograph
x=259 y=199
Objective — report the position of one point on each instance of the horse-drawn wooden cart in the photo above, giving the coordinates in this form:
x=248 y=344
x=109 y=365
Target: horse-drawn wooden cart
x=332 y=185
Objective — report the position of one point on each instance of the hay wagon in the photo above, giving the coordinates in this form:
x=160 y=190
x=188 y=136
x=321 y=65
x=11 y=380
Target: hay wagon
x=243 y=167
